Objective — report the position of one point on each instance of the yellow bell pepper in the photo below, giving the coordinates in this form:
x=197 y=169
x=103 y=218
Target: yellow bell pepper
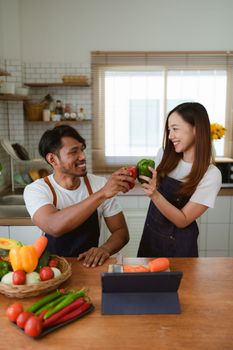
x=23 y=258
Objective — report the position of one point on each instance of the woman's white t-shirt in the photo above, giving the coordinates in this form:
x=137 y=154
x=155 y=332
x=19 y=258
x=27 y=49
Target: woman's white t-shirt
x=38 y=194
x=207 y=189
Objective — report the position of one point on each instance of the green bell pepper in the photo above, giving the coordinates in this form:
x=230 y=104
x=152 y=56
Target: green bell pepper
x=4 y=268
x=142 y=167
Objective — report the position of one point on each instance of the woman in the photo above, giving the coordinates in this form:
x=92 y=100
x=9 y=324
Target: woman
x=184 y=185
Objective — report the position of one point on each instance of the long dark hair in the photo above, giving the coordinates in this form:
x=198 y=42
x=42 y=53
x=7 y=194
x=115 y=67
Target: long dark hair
x=196 y=115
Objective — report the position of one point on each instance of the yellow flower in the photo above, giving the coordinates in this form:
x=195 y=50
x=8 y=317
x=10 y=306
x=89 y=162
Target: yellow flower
x=217 y=131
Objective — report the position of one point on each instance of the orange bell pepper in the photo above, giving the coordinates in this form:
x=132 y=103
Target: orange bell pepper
x=24 y=258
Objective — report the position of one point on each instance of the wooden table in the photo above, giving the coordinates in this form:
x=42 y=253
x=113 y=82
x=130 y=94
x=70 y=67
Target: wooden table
x=205 y=322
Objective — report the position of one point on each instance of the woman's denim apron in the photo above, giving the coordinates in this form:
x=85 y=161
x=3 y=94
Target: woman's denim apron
x=161 y=238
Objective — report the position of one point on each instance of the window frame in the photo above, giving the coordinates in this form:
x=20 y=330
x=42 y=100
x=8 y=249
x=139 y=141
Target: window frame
x=102 y=61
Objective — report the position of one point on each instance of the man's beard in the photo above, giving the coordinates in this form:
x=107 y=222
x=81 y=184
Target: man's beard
x=71 y=174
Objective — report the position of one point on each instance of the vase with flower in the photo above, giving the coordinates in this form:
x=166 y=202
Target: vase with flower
x=217 y=131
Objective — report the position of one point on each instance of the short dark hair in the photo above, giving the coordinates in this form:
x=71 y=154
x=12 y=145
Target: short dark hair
x=51 y=140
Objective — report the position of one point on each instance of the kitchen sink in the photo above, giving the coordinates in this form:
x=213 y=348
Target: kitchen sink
x=12 y=199
x=12 y=205
x=13 y=211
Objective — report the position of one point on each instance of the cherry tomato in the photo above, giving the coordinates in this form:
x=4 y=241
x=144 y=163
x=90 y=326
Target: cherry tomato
x=22 y=318
x=33 y=326
x=13 y=311
x=53 y=263
x=133 y=172
x=46 y=273
x=19 y=277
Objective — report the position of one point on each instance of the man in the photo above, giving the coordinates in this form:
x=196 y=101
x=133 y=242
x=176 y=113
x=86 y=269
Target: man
x=69 y=204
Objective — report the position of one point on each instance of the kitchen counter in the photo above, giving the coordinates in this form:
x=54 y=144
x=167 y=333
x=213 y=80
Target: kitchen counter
x=136 y=191
x=205 y=321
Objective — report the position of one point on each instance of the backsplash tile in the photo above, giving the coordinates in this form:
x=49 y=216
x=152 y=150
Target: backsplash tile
x=12 y=121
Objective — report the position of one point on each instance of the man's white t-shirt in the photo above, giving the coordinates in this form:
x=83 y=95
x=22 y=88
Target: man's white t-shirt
x=38 y=194
x=207 y=189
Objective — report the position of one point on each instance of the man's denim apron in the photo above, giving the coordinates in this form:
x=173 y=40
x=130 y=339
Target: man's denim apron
x=78 y=240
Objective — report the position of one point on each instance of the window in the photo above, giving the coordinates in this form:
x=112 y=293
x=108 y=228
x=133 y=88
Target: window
x=131 y=101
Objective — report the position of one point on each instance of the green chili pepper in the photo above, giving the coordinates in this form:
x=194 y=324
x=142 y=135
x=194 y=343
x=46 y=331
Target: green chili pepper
x=4 y=268
x=45 y=300
x=50 y=305
x=142 y=167
x=66 y=301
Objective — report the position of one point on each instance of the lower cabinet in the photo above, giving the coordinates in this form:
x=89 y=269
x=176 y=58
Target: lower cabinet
x=4 y=231
x=24 y=234
x=215 y=226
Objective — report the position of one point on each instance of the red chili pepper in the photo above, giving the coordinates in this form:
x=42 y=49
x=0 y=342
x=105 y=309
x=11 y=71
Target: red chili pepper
x=52 y=319
x=73 y=313
x=66 y=301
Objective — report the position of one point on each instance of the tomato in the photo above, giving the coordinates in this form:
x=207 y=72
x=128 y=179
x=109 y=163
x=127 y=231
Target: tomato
x=22 y=318
x=133 y=172
x=13 y=311
x=46 y=273
x=33 y=326
x=53 y=263
x=19 y=277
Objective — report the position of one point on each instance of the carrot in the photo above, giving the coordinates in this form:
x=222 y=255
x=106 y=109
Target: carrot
x=138 y=268
x=40 y=244
x=159 y=264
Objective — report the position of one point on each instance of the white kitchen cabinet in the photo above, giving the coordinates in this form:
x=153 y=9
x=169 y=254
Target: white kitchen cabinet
x=24 y=234
x=4 y=231
x=215 y=226
x=134 y=209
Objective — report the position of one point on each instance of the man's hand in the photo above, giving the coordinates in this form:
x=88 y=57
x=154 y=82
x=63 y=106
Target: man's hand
x=94 y=256
x=118 y=182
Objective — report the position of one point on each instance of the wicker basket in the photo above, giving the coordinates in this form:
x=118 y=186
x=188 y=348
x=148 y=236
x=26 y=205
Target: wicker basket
x=31 y=290
x=34 y=111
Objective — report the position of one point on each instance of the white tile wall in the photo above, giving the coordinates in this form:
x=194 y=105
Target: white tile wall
x=12 y=121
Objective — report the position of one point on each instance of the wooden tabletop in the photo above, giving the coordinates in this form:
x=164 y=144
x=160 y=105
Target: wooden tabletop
x=205 y=322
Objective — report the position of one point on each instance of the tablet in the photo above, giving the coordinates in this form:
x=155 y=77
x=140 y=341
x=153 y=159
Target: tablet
x=141 y=293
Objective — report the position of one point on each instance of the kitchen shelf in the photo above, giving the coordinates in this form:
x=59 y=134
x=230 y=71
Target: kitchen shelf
x=4 y=73
x=61 y=121
x=11 y=97
x=39 y=85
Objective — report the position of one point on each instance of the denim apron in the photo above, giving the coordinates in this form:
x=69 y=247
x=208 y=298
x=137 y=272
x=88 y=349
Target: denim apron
x=161 y=238
x=79 y=239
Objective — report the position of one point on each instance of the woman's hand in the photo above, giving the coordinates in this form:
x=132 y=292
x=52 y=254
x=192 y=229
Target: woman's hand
x=149 y=186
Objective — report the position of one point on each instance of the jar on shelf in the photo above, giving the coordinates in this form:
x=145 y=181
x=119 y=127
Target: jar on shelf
x=81 y=114
x=59 y=111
